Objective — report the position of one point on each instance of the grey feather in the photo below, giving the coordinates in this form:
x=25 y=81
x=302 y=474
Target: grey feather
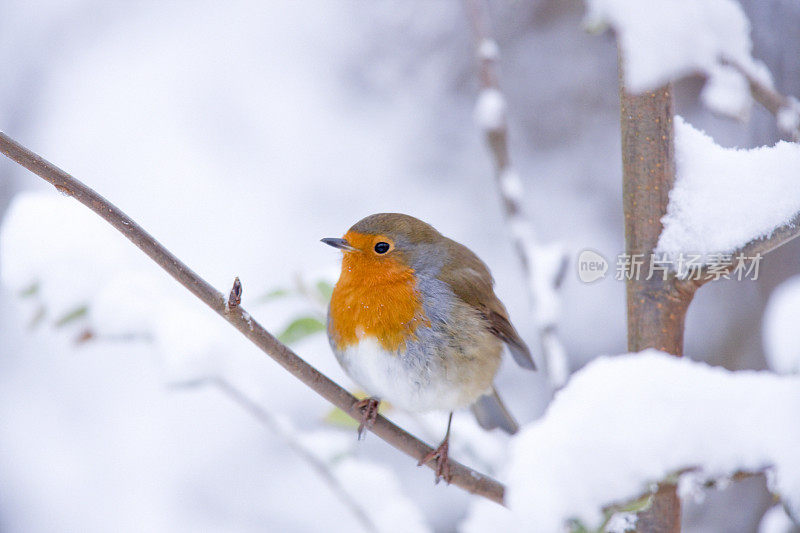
x=491 y=413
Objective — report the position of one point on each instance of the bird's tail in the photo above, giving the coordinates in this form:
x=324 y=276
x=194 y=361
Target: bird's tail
x=492 y=413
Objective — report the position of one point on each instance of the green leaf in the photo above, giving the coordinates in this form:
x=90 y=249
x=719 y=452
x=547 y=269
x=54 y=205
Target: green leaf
x=300 y=328
x=325 y=290
x=274 y=294
x=30 y=290
x=575 y=526
x=636 y=506
x=72 y=315
x=337 y=417
x=38 y=316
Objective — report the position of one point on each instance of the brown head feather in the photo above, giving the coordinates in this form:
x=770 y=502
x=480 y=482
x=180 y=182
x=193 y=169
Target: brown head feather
x=462 y=270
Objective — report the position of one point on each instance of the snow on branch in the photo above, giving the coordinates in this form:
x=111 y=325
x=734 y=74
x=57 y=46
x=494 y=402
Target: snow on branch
x=785 y=108
x=663 y=40
x=730 y=201
x=623 y=424
x=236 y=315
x=544 y=264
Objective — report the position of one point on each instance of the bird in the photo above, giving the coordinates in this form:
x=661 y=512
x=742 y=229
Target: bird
x=413 y=319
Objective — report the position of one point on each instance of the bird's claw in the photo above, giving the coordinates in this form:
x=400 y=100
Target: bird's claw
x=442 y=470
x=369 y=413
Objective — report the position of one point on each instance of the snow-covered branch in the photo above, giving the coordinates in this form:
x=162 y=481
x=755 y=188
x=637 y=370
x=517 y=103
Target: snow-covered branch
x=728 y=203
x=785 y=108
x=544 y=265
x=622 y=415
x=662 y=41
x=462 y=476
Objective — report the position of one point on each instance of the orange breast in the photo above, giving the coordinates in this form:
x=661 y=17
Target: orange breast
x=375 y=297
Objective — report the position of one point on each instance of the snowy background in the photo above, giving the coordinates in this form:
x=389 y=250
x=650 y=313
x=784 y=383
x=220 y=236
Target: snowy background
x=241 y=135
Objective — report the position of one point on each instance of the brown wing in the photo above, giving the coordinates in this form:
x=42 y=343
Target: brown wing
x=503 y=329
x=472 y=283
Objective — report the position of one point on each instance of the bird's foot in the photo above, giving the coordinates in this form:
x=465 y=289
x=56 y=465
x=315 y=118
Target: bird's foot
x=369 y=413
x=442 y=470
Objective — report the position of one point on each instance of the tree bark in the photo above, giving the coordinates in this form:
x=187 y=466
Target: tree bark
x=664 y=515
x=656 y=307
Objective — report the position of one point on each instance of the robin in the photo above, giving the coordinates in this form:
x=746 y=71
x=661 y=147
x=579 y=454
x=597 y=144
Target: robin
x=414 y=320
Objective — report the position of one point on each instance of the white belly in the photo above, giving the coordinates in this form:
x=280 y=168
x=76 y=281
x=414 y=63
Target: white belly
x=410 y=384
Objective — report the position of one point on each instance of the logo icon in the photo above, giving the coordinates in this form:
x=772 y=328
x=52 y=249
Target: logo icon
x=591 y=266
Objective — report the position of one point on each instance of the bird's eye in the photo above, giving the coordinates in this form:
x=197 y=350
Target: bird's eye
x=382 y=247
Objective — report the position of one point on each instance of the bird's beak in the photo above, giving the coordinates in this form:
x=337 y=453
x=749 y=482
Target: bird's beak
x=339 y=243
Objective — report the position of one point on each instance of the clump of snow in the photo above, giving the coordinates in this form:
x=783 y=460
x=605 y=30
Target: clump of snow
x=488 y=49
x=545 y=264
x=556 y=360
x=727 y=92
x=511 y=185
x=662 y=40
x=47 y=239
x=781 y=341
x=621 y=523
x=776 y=521
x=724 y=198
x=76 y=258
x=788 y=118
x=690 y=487
x=490 y=110
x=623 y=423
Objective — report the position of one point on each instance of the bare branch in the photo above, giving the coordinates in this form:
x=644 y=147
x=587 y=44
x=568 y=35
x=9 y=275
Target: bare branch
x=466 y=478
x=543 y=265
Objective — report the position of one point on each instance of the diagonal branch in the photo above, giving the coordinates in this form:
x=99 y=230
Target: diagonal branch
x=464 y=477
x=544 y=265
x=779 y=236
x=750 y=251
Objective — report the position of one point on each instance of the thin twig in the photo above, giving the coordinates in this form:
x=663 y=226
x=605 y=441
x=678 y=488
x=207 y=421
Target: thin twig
x=466 y=478
x=786 y=109
x=544 y=265
x=268 y=419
